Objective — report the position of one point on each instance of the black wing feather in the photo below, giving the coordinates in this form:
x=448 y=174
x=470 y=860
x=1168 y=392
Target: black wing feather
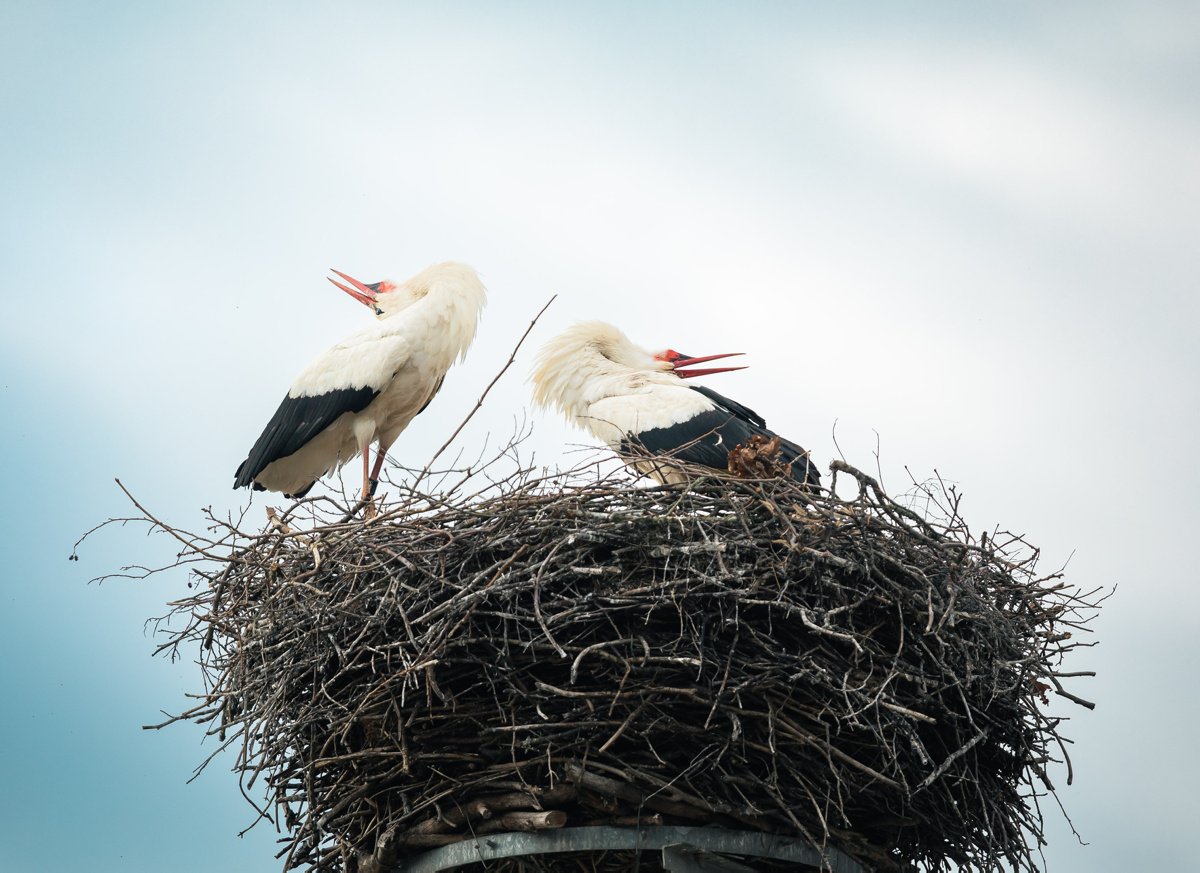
x=295 y=422
x=743 y=412
x=708 y=438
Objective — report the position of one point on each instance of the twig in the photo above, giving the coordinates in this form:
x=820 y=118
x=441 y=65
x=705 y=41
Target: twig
x=483 y=396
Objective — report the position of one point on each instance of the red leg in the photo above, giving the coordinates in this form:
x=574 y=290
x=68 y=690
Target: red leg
x=369 y=511
x=366 y=475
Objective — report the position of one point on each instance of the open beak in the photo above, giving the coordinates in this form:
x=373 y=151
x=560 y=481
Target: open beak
x=680 y=361
x=363 y=293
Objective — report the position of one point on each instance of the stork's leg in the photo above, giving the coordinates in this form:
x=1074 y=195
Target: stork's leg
x=367 y=489
x=379 y=455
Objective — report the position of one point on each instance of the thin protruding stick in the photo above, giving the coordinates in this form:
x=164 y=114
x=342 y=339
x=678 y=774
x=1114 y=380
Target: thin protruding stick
x=479 y=402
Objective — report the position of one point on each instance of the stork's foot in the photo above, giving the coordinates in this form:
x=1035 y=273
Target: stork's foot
x=367 y=502
x=369 y=510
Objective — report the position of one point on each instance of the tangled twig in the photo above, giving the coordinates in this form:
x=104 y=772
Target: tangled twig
x=738 y=652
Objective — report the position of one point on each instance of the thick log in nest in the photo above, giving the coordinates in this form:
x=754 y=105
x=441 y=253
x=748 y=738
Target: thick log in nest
x=575 y=650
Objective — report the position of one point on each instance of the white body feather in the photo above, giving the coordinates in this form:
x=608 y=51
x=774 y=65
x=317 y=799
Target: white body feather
x=612 y=388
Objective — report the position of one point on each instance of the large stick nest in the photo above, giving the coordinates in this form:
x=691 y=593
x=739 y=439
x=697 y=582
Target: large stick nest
x=575 y=650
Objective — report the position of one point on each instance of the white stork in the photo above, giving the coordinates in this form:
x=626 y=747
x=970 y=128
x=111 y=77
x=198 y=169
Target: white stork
x=630 y=397
x=368 y=387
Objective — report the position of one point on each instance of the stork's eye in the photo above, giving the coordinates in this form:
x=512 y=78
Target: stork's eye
x=378 y=311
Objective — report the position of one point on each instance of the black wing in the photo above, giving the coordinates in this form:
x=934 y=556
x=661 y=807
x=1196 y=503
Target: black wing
x=743 y=412
x=708 y=438
x=295 y=422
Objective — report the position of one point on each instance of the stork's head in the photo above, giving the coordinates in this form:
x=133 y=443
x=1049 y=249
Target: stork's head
x=376 y=295
x=455 y=285
x=593 y=359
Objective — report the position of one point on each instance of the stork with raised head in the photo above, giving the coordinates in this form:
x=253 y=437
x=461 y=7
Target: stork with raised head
x=367 y=388
x=632 y=398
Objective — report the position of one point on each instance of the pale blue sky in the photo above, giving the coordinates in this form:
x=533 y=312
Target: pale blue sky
x=969 y=231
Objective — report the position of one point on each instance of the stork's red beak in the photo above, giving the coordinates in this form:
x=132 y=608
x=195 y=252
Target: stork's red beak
x=680 y=360
x=365 y=294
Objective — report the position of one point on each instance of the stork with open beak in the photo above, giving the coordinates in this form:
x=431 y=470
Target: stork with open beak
x=367 y=388
x=629 y=397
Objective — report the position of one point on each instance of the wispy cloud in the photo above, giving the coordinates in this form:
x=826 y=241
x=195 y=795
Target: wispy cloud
x=1019 y=130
